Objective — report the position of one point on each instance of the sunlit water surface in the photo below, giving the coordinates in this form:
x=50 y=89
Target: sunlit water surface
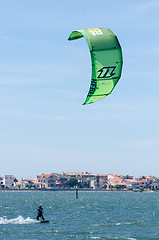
x=94 y=215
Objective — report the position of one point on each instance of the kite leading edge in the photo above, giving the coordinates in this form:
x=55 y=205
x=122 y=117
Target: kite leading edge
x=106 y=56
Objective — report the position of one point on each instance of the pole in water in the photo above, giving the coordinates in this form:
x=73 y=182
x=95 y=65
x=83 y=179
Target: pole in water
x=76 y=193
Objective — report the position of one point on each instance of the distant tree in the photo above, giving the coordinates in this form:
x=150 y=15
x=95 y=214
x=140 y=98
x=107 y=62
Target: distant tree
x=86 y=185
x=117 y=186
x=80 y=185
x=104 y=186
x=72 y=182
x=97 y=179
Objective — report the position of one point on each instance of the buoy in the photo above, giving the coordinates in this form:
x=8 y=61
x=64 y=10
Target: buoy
x=76 y=193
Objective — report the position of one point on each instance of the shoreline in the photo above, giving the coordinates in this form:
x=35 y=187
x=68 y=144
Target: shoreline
x=70 y=190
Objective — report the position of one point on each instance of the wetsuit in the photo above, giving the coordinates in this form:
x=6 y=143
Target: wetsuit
x=40 y=213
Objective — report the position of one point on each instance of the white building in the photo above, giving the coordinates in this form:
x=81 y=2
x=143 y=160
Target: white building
x=47 y=180
x=155 y=184
x=132 y=183
x=28 y=183
x=8 y=181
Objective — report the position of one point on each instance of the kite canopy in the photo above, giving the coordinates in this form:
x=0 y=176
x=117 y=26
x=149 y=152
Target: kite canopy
x=106 y=56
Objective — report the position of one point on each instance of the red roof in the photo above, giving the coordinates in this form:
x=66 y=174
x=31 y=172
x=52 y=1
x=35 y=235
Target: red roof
x=118 y=181
x=44 y=175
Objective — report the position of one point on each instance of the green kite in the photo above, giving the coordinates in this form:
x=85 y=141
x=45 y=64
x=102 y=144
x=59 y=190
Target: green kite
x=106 y=56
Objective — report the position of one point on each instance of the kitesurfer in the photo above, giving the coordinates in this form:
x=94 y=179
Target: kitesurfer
x=40 y=212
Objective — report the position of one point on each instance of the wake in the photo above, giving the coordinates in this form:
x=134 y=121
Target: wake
x=18 y=220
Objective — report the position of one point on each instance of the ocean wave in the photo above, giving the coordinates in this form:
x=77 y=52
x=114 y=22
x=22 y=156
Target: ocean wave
x=18 y=220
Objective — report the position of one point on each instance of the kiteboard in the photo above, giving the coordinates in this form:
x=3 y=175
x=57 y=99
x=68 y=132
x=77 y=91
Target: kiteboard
x=44 y=221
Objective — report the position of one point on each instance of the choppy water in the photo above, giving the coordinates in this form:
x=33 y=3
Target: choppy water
x=95 y=215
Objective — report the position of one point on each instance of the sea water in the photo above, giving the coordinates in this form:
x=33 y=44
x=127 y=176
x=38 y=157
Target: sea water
x=94 y=215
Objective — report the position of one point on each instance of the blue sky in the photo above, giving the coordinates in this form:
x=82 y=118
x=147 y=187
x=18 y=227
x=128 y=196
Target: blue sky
x=44 y=79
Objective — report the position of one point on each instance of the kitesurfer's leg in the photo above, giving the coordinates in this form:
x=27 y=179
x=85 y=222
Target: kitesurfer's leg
x=38 y=215
x=42 y=217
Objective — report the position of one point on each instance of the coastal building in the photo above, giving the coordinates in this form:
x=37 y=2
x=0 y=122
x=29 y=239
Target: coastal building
x=61 y=181
x=154 y=185
x=46 y=180
x=117 y=183
x=69 y=174
x=83 y=178
x=145 y=182
x=111 y=176
x=126 y=177
x=9 y=181
x=86 y=179
x=100 y=182
x=132 y=183
x=18 y=185
x=29 y=183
